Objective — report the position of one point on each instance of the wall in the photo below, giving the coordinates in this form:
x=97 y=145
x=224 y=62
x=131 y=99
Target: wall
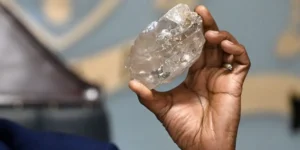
x=268 y=28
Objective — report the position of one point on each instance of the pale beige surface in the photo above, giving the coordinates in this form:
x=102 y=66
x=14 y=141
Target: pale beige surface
x=57 y=12
x=106 y=68
x=289 y=41
x=288 y=45
x=269 y=92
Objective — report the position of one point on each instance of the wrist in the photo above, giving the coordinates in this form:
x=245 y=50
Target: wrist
x=226 y=143
x=216 y=148
x=220 y=147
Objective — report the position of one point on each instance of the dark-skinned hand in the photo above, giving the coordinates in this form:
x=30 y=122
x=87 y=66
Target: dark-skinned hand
x=203 y=112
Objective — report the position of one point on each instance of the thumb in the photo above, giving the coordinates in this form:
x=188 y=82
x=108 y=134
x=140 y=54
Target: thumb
x=142 y=91
x=157 y=102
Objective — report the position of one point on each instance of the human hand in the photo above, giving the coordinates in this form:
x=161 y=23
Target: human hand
x=203 y=112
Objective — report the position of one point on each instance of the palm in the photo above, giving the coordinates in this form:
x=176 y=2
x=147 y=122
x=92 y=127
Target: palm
x=195 y=108
x=204 y=111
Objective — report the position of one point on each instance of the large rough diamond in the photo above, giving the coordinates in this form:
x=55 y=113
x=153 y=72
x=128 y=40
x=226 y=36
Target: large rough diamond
x=167 y=47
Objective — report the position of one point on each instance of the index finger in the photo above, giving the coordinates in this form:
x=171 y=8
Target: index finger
x=209 y=22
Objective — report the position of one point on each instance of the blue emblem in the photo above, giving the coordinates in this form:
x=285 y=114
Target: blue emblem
x=62 y=23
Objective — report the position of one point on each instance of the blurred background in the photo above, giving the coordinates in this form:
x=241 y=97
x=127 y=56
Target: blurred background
x=65 y=70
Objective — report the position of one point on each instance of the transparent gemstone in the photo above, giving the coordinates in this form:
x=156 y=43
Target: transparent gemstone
x=167 y=47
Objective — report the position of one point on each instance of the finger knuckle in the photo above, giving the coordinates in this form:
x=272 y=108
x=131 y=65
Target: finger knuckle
x=243 y=47
x=224 y=32
x=249 y=64
x=227 y=35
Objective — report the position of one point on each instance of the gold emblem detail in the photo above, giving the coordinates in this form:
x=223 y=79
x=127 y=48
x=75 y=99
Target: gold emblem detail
x=57 y=12
x=289 y=41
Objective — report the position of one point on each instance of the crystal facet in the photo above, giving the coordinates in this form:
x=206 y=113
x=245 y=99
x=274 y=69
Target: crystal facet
x=167 y=47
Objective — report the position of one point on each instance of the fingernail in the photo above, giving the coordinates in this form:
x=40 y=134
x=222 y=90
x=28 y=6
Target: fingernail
x=228 y=42
x=214 y=32
x=200 y=8
x=135 y=82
